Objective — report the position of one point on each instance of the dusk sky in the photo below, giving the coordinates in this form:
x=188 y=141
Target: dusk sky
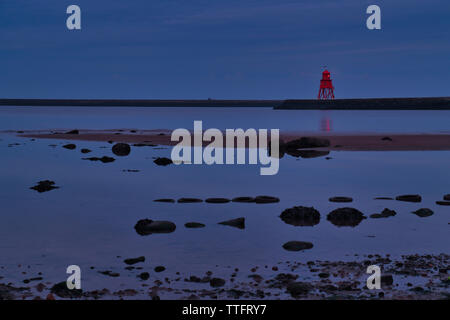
x=234 y=49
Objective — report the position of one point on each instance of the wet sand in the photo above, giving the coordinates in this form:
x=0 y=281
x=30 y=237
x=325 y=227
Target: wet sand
x=344 y=142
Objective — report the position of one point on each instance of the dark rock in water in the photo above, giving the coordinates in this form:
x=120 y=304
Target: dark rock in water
x=44 y=186
x=121 y=149
x=165 y=200
x=217 y=200
x=409 y=198
x=110 y=273
x=159 y=269
x=144 y=275
x=443 y=203
x=385 y=214
x=163 y=161
x=307 y=154
x=301 y=216
x=194 y=225
x=189 y=200
x=70 y=146
x=60 y=289
x=298 y=288
x=131 y=261
x=386 y=139
x=237 y=223
x=307 y=142
x=297 y=245
x=85 y=150
x=217 y=282
x=423 y=213
x=447 y=197
x=266 y=199
x=103 y=159
x=144 y=145
x=346 y=217
x=244 y=199
x=340 y=199
x=384 y=198
x=73 y=132
x=146 y=227
x=387 y=280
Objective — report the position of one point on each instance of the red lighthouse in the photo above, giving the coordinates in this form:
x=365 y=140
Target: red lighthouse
x=326 y=90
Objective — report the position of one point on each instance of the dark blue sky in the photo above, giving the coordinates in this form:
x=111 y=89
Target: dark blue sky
x=233 y=49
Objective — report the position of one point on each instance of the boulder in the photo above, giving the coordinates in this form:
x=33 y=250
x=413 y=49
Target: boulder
x=103 y=159
x=447 y=197
x=70 y=146
x=165 y=200
x=60 y=289
x=266 y=199
x=244 y=199
x=409 y=198
x=131 y=261
x=386 y=213
x=297 y=245
x=121 y=149
x=85 y=151
x=345 y=217
x=217 y=200
x=423 y=213
x=443 y=203
x=146 y=227
x=217 y=282
x=189 y=200
x=301 y=216
x=298 y=288
x=163 y=161
x=160 y=269
x=340 y=199
x=44 y=186
x=193 y=225
x=237 y=223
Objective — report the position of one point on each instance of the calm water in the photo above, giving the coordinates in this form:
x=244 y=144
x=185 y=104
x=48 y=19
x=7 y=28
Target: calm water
x=89 y=221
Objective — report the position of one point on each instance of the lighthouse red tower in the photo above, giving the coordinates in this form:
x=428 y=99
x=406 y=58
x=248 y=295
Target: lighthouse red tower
x=326 y=90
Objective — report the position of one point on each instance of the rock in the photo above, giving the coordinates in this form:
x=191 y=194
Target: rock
x=301 y=216
x=384 y=198
x=85 y=151
x=159 y=269
x=144 y=275
x=385 y=214
x=386 y=139
x=217 y=200
x=409 y=198
x=266 y=199
x=324 y=275
x=121 y=149
x=70 y=146
x=307 y=142
x=131 y=261
x=424 y=212
x=194 y=225
x=165 y=200
x=146 y=227
x=110 y=273
x=73 y=132
x=103 y=159
x=447 y=197
x=298 y=288
x=297 y=245
x=189 y=200
x=237 y=223
x=60 y=289
x=340 y=199
x=144 y=145
x=244 y=199
x=443 y=203
x=387 y=280
x=345 y=217
x=307 y=154
x=44 y=186
x=163 y=161
x=217 y=282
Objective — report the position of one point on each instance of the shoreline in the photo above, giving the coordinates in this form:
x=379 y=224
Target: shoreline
x=417 y=103
x=338 y=142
